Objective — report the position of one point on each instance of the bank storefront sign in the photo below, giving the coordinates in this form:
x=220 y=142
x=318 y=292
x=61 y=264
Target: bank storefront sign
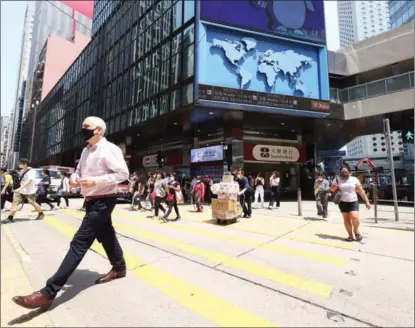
x=266 y=153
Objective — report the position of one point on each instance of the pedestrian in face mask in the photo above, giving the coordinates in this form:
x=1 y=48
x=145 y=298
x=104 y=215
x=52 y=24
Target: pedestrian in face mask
x=101 y=168
x=349 y=187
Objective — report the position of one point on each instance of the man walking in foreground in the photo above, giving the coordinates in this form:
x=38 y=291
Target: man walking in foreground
x=101 y=167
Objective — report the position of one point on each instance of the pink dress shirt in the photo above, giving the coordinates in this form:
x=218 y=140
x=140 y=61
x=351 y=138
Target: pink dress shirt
x=104 y=163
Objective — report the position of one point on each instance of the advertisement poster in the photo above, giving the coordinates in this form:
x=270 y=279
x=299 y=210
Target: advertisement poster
x=294 y=19
x=207 y=154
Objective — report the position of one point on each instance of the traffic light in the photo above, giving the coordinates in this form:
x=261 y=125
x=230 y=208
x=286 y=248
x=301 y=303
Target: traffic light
x=161 y=160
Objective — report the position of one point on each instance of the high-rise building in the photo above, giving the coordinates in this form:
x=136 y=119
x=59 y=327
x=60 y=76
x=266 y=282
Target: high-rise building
x=17 y=112
x=401 y=12
x=4 y=124
x=63 y=18
x=359 y=20
x=102 y=10
x=374 y=146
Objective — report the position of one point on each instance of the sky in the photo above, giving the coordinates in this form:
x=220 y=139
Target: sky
x=12 y=21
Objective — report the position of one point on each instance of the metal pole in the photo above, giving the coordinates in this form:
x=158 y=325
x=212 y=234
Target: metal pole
x=300 y=210
x=375 y=201
x=391 y=166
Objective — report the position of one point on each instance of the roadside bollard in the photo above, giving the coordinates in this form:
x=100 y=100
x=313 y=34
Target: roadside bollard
x=375 y=202
x=300 y=209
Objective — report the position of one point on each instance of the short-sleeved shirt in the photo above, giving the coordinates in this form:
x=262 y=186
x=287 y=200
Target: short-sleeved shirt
x=174 y=184
x=347 y=188
x=31 y=188
x=7 y=180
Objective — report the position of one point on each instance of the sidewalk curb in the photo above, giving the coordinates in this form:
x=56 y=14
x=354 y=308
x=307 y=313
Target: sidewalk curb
x=15 y=270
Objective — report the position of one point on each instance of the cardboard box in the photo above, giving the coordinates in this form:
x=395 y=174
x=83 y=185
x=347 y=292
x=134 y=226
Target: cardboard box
x=227 y=205
x=223 y=215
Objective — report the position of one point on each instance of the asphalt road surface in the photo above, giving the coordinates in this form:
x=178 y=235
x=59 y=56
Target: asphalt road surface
x=260 y=272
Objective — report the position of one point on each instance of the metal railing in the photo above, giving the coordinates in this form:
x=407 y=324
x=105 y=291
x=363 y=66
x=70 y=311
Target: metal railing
x=373 y=89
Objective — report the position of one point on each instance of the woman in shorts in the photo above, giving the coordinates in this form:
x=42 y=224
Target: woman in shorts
x=349 y=187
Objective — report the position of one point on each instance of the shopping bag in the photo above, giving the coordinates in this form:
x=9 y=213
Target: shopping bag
x=179 y=197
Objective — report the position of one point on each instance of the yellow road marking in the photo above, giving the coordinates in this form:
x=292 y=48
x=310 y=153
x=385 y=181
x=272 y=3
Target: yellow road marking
x=329 y=243
x=272 y=247
x=295 y=221
x=13 y=241
x=278 y=276
x=208 y=306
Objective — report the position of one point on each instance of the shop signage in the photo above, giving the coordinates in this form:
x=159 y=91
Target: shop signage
x=150 y=161
x=332 y=153
x=246 y=97
x=266 y=153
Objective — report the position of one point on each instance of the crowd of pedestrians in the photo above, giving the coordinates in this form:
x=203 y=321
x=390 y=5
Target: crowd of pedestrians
x=102 y=167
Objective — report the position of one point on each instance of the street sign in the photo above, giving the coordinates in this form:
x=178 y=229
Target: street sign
x=408 y=135
x=332 y=153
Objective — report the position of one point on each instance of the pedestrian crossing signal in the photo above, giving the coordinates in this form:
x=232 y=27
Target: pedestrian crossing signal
x=161 y=160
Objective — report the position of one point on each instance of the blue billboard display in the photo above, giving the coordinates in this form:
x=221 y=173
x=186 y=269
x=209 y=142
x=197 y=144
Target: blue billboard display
x=299 y=19
x=240 y=60
x=206 y=154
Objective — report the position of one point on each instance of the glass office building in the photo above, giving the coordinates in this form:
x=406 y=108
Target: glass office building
x=175 y=75
x=138 y=66
x=401 y=12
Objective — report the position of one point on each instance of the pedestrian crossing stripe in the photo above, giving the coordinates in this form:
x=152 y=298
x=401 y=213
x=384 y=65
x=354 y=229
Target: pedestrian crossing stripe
x=208 y=306
x=275 y=275
x=272 y=247
x=239 y=227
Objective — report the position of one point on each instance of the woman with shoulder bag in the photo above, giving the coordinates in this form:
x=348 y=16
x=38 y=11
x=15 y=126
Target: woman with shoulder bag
x=345 y=189
x=259 y=190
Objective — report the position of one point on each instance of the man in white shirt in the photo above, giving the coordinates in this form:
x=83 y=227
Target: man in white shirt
x=100 y=169
x=26 y=191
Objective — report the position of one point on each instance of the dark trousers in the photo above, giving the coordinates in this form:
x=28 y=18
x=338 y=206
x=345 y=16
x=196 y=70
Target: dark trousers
x=171 y=205
x=6 y=197
x=158 y=206
x=65 y=197
x=246 y=202
x=275 y=196
x=97 y=224
x=322 y=202
x=42 y=198
x=208 y=194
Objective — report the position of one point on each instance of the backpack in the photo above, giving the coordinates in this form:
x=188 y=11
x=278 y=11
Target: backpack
x=17 y=178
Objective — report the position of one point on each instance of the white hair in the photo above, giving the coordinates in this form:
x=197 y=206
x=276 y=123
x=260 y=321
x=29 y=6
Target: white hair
x=97 y=122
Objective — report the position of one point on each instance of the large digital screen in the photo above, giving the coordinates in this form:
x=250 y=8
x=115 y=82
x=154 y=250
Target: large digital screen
x=206 y=154
x=242 y=60
x=301 y=19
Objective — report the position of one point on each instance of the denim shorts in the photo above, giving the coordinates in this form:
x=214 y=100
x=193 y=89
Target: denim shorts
x=346 y=207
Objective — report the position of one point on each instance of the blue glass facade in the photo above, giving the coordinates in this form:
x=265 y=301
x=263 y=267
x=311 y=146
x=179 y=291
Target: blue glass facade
x=401 y=12
x=102 y=10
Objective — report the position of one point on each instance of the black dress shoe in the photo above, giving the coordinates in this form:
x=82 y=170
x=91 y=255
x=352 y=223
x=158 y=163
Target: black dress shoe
x=41 y=216
x=8 y=220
